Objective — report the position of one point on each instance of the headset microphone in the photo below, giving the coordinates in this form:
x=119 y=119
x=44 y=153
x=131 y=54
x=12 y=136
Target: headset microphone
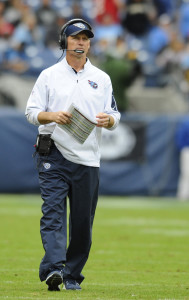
x=75 y=50
x=79 y=51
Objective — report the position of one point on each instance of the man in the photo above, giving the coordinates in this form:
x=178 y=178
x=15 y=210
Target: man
x=67 y=167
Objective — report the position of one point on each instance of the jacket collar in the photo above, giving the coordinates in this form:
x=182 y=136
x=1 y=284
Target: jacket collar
x=68 y=67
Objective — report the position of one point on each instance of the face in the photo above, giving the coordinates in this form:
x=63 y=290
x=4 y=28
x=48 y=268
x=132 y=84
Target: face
x=79 y=42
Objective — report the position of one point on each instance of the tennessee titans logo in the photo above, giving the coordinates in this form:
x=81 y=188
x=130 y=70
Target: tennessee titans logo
x=47 y=166
x=93 y=84
x=80 y=25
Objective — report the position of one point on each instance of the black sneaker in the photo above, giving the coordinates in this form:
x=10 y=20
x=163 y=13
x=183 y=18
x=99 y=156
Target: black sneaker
x=53 y=280
x=71 y=284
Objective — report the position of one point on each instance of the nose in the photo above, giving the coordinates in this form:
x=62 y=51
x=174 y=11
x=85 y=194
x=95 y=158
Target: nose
x=81 y=41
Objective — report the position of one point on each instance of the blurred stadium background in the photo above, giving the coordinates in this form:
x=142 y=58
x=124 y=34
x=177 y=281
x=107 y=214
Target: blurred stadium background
x=144 y=46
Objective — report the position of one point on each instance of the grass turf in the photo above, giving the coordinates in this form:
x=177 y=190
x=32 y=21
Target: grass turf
x=140 y=250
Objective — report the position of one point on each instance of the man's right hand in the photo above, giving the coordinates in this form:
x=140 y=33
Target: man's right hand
x=59 y=117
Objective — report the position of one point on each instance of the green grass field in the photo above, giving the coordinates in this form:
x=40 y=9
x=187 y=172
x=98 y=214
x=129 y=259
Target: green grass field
x=140 y=250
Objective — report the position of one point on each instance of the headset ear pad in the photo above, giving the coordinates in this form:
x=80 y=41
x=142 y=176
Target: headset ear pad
x=62 y=40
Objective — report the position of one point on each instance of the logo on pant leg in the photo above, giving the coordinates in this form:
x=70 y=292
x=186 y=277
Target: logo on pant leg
x=46 y=166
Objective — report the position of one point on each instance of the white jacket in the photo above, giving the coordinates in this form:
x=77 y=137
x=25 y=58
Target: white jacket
x=90 y=89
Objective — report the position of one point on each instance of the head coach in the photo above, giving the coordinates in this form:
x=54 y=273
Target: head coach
x=67 y=168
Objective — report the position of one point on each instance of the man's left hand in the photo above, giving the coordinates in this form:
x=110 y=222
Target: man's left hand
x=104 y=120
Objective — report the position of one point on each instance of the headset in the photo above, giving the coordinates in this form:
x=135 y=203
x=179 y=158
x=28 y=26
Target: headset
x=62 y=36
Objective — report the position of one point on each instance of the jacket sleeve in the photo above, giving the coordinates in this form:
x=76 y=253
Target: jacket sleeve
x=110 y=103
x=38 y=100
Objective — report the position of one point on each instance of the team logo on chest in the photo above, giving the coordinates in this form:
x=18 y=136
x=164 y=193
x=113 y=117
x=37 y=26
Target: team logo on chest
x=93 y=84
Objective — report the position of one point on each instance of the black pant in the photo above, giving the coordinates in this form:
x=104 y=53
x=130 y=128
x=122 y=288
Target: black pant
x=58 y=179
